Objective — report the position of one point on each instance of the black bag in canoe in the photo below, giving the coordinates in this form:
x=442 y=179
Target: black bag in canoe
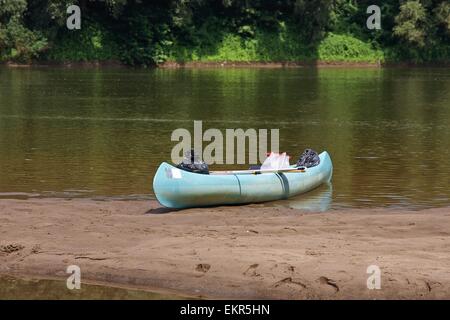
x=192 y=163
x=309 y=158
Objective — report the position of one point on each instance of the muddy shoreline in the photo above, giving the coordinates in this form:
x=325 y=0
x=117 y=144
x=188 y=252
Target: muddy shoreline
x=241 y=252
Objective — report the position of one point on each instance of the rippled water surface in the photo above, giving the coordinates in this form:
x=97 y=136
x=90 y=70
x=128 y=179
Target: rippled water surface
x=102 y=132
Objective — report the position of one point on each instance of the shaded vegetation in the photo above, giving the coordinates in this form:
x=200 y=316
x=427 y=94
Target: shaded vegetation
x=152 y=32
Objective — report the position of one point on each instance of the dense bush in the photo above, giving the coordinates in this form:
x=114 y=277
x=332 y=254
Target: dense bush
x=148 y=33
x=91 y=43
x=347 y=48
x=17 y=42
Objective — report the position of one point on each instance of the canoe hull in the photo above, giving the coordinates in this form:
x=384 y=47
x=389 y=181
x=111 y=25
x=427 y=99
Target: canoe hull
x=175 y=188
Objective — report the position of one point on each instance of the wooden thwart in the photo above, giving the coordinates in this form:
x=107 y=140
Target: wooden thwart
x=259 y=171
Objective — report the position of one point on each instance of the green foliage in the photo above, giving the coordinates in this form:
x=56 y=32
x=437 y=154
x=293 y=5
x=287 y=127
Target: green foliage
x=347 y=48
x=147 y=33
x=17 y=42
x=11 y=9
x=143 y=43
x=312 y=18
x=442 y=14
x=56 y=10
x=410 y=23
x=24 y=44
x=231 y=48
x=263 y=46
x=284 y=47
x=342 y=17
x=91 y=43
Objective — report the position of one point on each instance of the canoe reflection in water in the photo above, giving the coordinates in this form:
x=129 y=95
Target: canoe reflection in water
x=317 y=200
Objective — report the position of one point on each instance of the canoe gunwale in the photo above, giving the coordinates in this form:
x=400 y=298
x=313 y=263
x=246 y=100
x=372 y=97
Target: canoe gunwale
x=177 y=188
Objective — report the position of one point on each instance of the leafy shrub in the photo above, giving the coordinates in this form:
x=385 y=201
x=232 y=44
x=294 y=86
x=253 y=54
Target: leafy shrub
x=17 y=42
x=90 y=43
x=410 y=23
x=347 y=48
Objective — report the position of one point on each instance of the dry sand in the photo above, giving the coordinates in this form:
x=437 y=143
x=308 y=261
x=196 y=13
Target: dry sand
x=238 y=252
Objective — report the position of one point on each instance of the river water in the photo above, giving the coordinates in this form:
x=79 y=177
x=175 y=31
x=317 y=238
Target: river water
x=101 y=133
x=12 y=288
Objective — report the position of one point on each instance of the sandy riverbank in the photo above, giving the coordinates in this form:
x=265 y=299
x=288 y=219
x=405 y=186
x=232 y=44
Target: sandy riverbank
x=229 y=252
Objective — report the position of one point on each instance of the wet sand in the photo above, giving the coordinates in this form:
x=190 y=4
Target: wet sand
x=241 y=252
